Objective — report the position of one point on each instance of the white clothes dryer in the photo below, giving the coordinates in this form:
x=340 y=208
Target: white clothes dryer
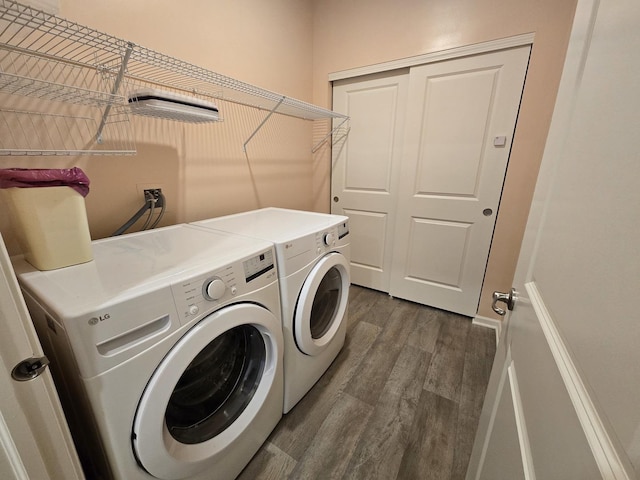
x=167 y=351
x=313 y=254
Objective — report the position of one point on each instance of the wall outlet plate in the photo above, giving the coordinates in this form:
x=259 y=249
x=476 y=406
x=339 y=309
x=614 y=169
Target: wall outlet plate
x=155 y=193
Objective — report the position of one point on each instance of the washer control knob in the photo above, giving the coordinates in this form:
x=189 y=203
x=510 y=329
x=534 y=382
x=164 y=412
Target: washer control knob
x=215 y=289
x=234 y=290
x=329 y=239
x=193 y=309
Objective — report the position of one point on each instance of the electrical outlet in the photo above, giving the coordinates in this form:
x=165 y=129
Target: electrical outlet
x=154 y=193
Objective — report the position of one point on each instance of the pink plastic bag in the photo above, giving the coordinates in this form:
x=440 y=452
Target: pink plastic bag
x=26 y=178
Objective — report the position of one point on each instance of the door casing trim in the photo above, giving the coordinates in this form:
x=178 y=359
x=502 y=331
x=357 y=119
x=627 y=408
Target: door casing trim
x=448 y=54
x=605 y=454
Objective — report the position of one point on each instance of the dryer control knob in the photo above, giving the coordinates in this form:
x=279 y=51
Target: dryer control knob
x=215 y=289
x=193 y=309
x=329 y=239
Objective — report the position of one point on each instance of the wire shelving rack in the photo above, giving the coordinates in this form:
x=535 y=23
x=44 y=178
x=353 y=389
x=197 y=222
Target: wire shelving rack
x=46 y=61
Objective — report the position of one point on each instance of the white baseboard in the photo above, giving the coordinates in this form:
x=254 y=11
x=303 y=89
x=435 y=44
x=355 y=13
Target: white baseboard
x=489 y=323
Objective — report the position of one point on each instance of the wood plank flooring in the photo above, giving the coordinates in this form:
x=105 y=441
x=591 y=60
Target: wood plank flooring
x=401 y=401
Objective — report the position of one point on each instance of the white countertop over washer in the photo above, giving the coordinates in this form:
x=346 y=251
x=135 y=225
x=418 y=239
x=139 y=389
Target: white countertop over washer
x=276 y=224
x=127 y=266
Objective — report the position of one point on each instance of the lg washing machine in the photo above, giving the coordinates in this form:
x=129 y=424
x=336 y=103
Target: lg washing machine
x=312 y=252
x=167 y=351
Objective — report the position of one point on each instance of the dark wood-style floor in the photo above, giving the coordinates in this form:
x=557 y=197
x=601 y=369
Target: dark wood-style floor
x=401 y=401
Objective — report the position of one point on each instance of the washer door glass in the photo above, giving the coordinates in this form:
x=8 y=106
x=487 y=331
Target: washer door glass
x=325 y=303
x=216 y=386
x=208 y=390
x=322 y=304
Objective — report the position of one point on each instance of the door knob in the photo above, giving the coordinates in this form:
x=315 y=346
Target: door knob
x=508 y=298
x=29 y=368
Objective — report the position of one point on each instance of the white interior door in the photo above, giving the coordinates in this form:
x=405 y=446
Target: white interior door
x=35 y=442
x=460 y=122
x=571 y=344
x=366 y=164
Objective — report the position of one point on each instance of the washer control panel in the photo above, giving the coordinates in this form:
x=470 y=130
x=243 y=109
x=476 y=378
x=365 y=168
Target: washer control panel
x=196 y=295
x=329 y=238
x=343 y=229
x=214 y=288
x=258 y=265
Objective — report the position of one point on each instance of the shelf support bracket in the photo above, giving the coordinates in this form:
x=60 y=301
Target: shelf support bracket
x=271 y=112
x=324 y=139
x=114 y=90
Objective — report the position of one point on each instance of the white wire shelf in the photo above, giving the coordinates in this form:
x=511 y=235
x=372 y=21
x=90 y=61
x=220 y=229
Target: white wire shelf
x=37 y=133
x=46 y=57
x=29 y=76
x=147 y=66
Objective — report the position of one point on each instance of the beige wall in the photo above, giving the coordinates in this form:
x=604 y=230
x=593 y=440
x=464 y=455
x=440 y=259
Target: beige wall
x=290 y=46
x=202 y=169
x=349 y=34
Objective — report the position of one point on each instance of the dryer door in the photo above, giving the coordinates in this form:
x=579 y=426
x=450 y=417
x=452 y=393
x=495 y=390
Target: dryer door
x=322 y=304
x=207 y=391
